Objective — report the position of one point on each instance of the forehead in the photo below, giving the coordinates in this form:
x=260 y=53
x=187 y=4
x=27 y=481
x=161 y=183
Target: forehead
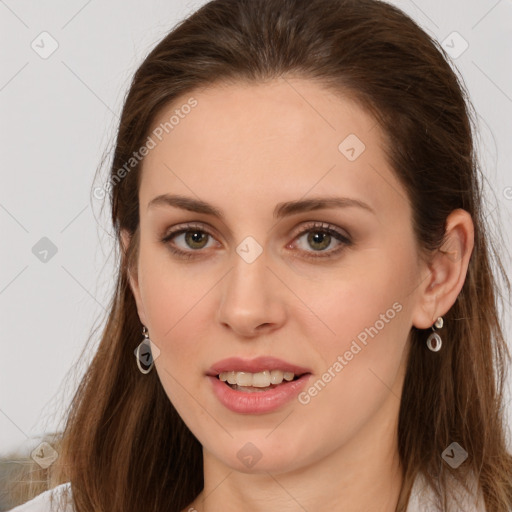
x=276 y=114
x=276 y=140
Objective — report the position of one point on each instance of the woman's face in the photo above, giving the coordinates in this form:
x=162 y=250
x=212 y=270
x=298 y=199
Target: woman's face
x=332 y=288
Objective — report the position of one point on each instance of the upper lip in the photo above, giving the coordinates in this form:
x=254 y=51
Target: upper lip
x=255 y=365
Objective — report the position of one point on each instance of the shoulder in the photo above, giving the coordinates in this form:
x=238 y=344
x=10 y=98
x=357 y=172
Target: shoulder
x=52 y=500
x=423 y=497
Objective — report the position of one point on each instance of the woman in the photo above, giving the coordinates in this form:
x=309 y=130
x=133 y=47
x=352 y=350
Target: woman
x=305 y=278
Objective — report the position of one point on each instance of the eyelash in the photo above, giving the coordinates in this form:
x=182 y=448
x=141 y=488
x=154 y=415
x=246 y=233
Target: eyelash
x=318 y=227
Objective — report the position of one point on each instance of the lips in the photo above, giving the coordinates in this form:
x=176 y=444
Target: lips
x=259 y=402
x=258 y=364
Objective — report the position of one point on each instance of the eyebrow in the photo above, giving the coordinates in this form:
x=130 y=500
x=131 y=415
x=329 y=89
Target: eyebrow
x=280 y=211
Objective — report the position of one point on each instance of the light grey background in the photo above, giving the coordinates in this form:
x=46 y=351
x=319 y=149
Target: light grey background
x=59 y=115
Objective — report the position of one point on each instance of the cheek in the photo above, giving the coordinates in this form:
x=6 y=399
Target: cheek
x=176 y=309
x=171 y=291
x=363 y=303
x=363 y=358
x=174 y=303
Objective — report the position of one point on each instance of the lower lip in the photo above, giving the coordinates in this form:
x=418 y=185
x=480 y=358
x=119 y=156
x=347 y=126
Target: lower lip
x=258 y=401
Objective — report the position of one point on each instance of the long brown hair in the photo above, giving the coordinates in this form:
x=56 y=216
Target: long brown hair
x=124 y=447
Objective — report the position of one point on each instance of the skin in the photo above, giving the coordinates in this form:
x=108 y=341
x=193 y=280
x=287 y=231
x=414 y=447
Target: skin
x=245 y=148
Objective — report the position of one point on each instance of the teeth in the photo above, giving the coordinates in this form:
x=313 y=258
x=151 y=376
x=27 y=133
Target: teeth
x=258 y=380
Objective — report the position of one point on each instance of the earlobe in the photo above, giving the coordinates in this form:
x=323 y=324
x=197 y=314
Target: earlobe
x=447 y=271
x=133 y=279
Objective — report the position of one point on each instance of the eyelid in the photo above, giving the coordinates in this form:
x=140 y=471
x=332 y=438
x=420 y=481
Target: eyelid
x=309 y=226
x=184 y=227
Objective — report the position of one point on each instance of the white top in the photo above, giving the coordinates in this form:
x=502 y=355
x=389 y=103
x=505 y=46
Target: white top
x=422 y=500
x=42 y=503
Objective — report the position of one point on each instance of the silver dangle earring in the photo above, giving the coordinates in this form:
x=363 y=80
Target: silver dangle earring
x=434 y=341
x=143 y=353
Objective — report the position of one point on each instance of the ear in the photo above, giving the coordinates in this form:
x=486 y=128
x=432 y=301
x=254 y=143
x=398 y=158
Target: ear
x=133 y=279
x=445 y=274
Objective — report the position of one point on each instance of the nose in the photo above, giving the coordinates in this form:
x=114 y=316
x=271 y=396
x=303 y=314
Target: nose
x=252 y=298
